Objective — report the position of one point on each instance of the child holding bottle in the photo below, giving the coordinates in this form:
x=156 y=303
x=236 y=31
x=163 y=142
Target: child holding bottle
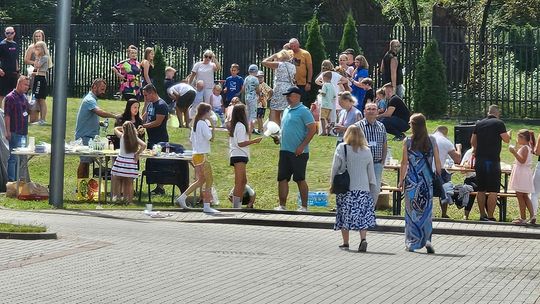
x=521 y=178
x=202 y=133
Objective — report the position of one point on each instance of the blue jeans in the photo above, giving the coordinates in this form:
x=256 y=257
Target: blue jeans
x=16 y=141
x=395 y=125
x=378 y=168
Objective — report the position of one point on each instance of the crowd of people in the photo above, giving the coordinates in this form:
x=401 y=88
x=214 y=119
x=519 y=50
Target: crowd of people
x=348 y=107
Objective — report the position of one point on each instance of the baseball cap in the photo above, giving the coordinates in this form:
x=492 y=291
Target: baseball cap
x=253 y=68
x=293 y=90
x=260 y=73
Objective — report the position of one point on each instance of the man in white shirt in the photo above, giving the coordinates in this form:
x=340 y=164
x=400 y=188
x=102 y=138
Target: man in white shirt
x=446 y=150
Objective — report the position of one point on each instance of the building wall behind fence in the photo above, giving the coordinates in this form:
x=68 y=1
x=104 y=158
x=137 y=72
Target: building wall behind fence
x=473 y=83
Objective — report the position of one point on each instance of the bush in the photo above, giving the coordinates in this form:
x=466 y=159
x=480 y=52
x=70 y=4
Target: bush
x=158 y=74
x=315 y=46
x=430 y=89
x=350 y=35
x=525 y=48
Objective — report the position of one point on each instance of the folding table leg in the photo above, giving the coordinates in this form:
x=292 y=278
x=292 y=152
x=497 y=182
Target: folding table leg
x=140 y=189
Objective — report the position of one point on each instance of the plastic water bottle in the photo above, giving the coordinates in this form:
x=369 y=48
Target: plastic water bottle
x=23 y=142
x=388 y=159
x=447 y=163
x=105 y=126
x=91 y=144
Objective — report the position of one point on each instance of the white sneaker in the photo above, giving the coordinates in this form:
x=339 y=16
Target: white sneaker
x=280 y=208
x=181 y=201
x=302 y=209
x=210 y=210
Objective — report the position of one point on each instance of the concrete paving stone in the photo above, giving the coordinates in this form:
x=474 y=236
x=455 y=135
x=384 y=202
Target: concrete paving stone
x=155 y=260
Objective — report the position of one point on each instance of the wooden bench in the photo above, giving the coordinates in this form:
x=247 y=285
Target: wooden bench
x=397 y=198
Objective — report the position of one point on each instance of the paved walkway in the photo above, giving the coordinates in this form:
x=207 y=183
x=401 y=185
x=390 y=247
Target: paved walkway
x=128 y=257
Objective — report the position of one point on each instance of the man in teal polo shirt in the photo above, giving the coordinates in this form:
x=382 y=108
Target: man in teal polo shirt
x=297 y=129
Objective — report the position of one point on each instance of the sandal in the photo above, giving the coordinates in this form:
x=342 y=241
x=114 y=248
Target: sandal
x=344 y=247
x=532 y=221
x=519 y=222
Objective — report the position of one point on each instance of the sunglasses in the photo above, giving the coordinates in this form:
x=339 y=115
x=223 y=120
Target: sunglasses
x=207 y=56
x=10 y=33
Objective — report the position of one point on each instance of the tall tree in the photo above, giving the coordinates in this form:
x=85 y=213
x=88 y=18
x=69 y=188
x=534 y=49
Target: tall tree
x=159 y=71
x=350 y=36
x=430 y=89
x=315 y=46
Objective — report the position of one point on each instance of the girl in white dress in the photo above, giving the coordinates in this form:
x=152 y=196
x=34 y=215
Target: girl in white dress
x=125 y=168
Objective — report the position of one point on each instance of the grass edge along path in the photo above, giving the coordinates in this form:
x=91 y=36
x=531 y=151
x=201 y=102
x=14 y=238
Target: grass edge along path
x=21 y=228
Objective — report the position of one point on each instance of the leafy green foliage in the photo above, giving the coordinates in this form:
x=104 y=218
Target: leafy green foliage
x=349 y=39
x=159 y=71
x=315 y=46
x=525 y=48
x=516 y=12
x=430 y=90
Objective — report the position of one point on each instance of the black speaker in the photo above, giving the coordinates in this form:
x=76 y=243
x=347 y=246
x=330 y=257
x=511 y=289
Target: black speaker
x=462 y=135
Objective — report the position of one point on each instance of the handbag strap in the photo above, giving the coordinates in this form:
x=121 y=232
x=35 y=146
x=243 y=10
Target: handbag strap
x=345 y=148
x=288 y=74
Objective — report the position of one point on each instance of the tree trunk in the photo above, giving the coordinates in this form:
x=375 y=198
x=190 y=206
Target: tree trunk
x=415 y=14
x=483 y=28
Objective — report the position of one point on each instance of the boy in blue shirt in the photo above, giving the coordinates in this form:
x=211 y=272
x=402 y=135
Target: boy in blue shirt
x=233 y=85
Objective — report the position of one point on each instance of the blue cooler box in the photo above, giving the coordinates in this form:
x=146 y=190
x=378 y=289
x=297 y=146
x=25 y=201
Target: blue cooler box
x=315 y=199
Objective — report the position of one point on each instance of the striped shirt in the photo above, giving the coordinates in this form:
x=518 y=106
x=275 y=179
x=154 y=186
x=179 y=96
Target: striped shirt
x=375 y=136
x=16 y=107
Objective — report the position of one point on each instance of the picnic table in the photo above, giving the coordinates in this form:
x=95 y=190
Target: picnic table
x=397 y=196
x=101 y=157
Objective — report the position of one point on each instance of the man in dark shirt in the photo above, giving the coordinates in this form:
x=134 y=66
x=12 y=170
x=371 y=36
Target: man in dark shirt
x=16 y=121
x=486 y=143
x=155 y=114
x=396 y=116
x=391 y=68
x=9 y=64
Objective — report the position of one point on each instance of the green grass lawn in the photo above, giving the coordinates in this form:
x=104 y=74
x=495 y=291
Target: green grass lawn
x=7 y=227
x=262 y=168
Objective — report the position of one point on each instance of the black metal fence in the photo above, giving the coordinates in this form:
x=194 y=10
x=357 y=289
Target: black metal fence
x=503 y=70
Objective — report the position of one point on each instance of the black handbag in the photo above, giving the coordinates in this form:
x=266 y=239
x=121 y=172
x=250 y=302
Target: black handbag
x=341 y=182
x=438 y=190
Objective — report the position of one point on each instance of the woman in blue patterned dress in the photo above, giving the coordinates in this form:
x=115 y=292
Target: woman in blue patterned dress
x=416 y=181
x=355 y=209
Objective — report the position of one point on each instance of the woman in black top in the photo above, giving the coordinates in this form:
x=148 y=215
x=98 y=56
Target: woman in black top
x=147 y=66
x=131 y=113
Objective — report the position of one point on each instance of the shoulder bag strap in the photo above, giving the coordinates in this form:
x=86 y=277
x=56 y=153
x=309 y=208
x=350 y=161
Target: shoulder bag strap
x=289 y=74
x=345 y=148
